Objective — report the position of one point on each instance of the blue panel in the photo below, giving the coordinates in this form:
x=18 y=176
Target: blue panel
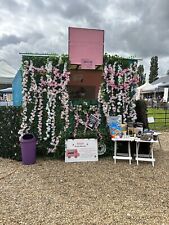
x=17 y=89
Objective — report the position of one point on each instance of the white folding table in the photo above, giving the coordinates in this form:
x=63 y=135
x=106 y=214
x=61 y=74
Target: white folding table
x=143 y=157
x=122 y=156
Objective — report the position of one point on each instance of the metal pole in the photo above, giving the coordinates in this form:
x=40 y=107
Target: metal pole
x=165 y=114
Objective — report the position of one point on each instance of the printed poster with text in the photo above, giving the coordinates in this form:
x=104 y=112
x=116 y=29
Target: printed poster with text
x=81 y=150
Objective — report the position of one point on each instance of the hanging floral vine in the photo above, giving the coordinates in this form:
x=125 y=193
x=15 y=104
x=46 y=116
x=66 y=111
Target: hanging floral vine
x=116 y=94
x=82 y=118
x=42 y=88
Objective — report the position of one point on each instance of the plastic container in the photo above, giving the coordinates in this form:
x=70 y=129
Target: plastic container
x=28 y=149
x=155 y=137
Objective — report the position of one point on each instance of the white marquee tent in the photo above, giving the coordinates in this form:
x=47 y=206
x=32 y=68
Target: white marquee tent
x=7 y=73
x=142 y=89
x=6 y=90
x=146 y=87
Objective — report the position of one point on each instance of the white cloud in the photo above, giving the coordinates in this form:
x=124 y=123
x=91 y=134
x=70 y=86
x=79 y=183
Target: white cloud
x=133 y=27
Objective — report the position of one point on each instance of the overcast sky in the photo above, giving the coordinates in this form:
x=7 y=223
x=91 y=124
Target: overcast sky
x=132 y=27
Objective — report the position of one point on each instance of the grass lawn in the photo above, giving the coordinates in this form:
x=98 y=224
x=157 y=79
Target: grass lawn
x=161 y=117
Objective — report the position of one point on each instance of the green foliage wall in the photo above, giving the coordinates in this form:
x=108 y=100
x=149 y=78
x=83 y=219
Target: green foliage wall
x=81 y=109
x=123 y=62
x=10 y=117
x=45 y=98
x=39 y=60
x=10 y=120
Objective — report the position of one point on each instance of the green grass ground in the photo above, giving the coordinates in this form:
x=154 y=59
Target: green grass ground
x=161 y=117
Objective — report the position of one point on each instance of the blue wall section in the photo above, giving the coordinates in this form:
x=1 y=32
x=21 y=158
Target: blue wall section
x=17 y=89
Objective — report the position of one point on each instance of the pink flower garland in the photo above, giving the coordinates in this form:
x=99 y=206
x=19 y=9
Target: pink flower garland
x=34 y=93
x=118 y=86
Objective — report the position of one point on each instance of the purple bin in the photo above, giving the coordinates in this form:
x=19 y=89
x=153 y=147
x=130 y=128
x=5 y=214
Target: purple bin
x=28 y=149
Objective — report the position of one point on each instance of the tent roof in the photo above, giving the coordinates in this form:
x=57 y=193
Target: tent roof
x=6 y=90
x=164 y=84
x=7 y=73
x=163 y=79
x=143 y=86
x=148 y=88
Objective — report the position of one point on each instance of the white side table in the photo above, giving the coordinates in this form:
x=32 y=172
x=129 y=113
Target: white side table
x=147 y=158
x=122 y=156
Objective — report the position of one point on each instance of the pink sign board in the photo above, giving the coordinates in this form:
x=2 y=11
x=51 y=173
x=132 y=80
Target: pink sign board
x=86 y=47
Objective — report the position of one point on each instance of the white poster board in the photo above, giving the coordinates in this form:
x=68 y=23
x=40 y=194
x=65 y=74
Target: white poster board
x=165 y=98
x=81 y=150
x=150 y=119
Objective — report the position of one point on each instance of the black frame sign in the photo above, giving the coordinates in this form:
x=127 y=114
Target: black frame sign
x=92 y=122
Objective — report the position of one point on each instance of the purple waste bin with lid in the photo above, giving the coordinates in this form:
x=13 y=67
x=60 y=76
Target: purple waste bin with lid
x=28 y=149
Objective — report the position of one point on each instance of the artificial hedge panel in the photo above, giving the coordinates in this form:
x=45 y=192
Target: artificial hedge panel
x=10 y=117
x=123 y=62
x=10 y=120
x=46 y=100
x=39 y=61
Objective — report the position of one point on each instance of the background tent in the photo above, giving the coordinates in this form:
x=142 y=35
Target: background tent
x=7 y=73
x=148 y=88
x=142 y=88
x=6 y=90
x=6 y=97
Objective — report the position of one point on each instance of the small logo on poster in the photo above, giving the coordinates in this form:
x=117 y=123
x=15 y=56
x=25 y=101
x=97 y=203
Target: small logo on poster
x=72 y=153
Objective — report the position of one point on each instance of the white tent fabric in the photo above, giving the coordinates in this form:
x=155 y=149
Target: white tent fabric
x=151 y=88
x=137 y=95
x=143 y=86
x=148 y=88
x=164 y=84
x=6 y=90
x=7 y=73
x=142 y=89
